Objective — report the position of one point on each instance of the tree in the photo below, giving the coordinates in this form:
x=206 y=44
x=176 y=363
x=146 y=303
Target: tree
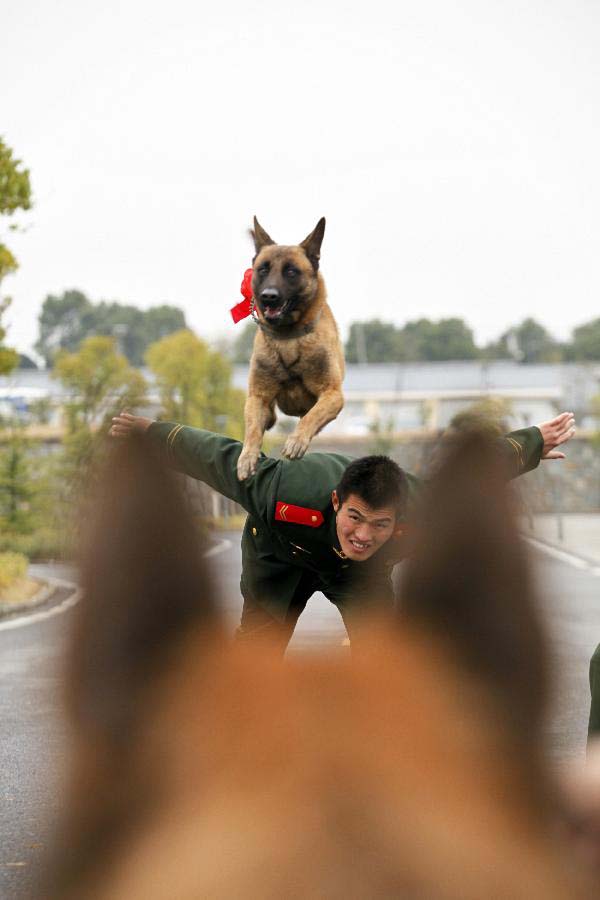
x=242 y=347
x=8 y=263
x=195 y=383
x=159 y=321
x=101 y=383
x=63 y=323
x=66 y=320
x=40 y=410
x=419 y=340
x=135 y=329
x=372 y=341
x=15 y=194
x=585 y=344
x=16 y=490
x=15 y=187
x=447 y=339
x=528 y=342
x=8 y=357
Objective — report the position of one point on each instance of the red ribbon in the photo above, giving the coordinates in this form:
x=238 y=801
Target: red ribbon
x=243 y=309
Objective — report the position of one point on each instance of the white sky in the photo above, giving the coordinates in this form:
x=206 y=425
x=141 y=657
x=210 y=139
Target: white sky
x=454 y=148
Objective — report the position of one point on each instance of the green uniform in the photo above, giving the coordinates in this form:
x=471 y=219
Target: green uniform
x=285 y=561
x=594 y=723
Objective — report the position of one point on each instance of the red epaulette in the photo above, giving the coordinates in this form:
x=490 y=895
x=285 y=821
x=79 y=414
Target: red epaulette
x=298 y=515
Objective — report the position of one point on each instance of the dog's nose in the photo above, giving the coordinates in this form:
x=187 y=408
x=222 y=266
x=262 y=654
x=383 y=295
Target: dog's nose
x=270 y=296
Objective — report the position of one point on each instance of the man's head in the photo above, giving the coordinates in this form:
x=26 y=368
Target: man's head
x=369 y=501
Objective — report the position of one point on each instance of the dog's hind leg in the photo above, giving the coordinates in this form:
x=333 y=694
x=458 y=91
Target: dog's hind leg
x=259 y=414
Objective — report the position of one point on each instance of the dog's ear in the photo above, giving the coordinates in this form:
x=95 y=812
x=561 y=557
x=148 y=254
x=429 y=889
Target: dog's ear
x=147 y=591
x=468 y=581
x=260 y=237
x=312 y=244
x=146 y=586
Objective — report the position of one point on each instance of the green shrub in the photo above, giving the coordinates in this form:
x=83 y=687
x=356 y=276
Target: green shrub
x=13 y=566
x=44 y=543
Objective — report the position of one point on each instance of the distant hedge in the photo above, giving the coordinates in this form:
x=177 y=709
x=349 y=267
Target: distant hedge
x=13 y=566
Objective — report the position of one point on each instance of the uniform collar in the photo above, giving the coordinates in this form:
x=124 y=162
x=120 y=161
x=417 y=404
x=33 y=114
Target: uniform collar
x=332 y=537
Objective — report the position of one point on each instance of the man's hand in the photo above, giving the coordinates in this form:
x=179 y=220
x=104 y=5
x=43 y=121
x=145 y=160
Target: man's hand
x=555 y=433
x=125 y=424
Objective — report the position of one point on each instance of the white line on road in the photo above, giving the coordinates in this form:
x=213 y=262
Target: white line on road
x=44 y=614
x=564 y=556
x=221 y=547
x=21 y=621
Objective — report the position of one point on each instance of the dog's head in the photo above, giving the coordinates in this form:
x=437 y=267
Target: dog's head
x=285 y=278
x=413 y=769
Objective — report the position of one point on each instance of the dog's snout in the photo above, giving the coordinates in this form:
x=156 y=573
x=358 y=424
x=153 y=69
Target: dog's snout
x=270 y=296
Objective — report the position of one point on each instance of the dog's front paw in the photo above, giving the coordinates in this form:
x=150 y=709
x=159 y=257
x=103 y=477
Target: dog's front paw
x=295 y=446
x=246 y=464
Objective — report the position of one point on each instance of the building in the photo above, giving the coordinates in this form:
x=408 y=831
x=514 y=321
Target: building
x=400 y=397
x=425 y=396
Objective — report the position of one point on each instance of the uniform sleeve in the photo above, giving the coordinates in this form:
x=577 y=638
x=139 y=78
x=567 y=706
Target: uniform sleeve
x=594 y=721
x=212 y=458
x=522 y=449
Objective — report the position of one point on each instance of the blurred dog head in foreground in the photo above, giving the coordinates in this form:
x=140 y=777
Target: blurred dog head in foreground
x=207 y=769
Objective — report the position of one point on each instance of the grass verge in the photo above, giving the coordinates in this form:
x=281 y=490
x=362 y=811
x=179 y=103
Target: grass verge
x=20 y=591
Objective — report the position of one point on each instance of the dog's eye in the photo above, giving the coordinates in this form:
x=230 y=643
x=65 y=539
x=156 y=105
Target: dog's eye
x=262 y=270
x=291 y=272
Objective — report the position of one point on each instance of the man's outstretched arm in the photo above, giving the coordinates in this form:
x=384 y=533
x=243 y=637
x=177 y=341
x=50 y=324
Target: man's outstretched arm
x=555 y=433
x=528 y=446
x=209 y=457
x=126 y=423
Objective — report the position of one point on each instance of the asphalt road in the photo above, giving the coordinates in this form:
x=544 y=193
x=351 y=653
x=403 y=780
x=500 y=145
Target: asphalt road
x=32 y=739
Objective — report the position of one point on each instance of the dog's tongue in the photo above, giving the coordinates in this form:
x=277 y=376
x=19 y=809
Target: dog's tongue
x=273 y=313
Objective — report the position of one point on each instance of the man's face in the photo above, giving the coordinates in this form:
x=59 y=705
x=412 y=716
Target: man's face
x=362 y=530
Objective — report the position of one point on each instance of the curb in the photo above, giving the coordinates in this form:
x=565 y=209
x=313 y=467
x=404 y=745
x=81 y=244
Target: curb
x=41 y=596
x=585 y=561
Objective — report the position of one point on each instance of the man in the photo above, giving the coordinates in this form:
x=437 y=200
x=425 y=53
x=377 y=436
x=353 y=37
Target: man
x=322 y=523
x=594 y=721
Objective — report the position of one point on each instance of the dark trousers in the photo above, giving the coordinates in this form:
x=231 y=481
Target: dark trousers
x=257 y=624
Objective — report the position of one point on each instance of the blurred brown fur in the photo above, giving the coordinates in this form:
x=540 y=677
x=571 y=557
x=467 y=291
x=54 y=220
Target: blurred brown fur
x=203 y=769
x=469 y=584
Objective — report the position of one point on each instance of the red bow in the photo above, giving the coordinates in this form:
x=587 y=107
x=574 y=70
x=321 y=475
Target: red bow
x=244 y=307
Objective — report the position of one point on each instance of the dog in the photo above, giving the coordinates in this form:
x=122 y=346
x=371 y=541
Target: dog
x=202 y=768
x=297 y=362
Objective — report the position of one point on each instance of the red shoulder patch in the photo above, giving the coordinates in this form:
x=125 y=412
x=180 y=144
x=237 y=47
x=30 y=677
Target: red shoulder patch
x=298 y=515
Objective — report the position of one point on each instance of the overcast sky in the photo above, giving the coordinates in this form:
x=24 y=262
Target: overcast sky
x=454 y=148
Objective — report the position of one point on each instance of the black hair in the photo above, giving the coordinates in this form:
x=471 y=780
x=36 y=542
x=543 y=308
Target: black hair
x=377 y=480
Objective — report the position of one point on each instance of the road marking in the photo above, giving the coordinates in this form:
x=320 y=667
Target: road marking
x=221 y=547
x=46 y=613
x=75 y=597
x=564 y=556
